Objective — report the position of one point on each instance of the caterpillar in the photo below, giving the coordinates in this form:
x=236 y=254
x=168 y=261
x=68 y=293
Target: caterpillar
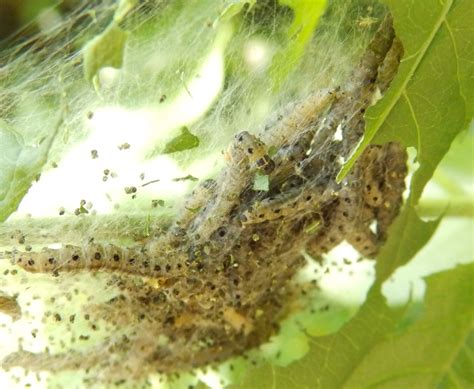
x=246 y=155
x=283 y=128
x=150 y=260
x=288 y=204
x=196 y=201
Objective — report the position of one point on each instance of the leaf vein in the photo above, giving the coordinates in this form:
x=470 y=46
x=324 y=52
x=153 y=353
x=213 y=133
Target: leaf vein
x=456 y=55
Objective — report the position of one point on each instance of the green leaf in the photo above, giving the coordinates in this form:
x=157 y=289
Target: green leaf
x=431 y=351
x=431 y=99
x=21 y=164
x=261 y=182
x=30 y=9
x=231 y=10
x=461 y=373
x=124 y=7
x=184 y=141
x=306 y=17
x=407 y=235
x=372 y=350
x=105 y=49
x=158 y=202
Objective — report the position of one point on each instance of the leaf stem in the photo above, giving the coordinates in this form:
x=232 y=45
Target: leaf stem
x=446 y=181
x=458 y=206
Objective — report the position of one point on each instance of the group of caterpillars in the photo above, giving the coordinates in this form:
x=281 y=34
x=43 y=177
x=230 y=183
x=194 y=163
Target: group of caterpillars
x=219 y=280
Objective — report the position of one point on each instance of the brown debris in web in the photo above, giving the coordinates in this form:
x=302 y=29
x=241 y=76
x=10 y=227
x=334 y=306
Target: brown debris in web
x=9 y=306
